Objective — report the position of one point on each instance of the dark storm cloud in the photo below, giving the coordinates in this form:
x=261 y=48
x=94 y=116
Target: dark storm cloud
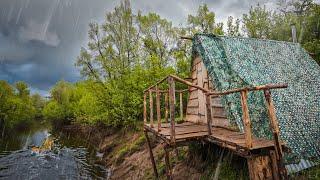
x=40 y=39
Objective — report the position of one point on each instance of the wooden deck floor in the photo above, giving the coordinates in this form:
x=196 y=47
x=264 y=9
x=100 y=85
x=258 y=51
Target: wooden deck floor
x=224 y=137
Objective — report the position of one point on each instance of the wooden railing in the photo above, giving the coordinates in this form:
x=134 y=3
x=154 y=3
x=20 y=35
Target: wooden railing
x=170 y=99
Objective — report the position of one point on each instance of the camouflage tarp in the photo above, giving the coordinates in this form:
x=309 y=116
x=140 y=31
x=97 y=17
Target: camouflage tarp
x=234 y=62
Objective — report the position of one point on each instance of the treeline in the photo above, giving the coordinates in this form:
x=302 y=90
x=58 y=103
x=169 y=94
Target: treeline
x=17 y=107
x=128 y=52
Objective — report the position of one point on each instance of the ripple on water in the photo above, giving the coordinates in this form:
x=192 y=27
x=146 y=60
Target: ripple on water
x=66 y=163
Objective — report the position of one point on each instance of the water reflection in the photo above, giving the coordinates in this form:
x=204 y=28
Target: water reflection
x=70 y=158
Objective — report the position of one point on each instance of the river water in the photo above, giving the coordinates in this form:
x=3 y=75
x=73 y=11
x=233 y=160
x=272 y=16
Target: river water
x=69 y=158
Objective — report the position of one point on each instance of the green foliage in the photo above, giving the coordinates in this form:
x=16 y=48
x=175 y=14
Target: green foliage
x=17 y=107
x=304 y=15
x=129 y=52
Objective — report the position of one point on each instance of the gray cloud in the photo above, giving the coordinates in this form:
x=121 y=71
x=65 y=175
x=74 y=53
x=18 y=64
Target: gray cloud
x=38 y=31
x=40 y=39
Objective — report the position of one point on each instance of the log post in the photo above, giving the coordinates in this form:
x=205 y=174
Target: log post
x=167 y=161
x=273 y=123
x=181 y=106
x=145 y=108
x=209 y=113
x=172 y=108
x=275 y=131
x=166 y=104
x=246 y=118
x=158 y=108
x=151 y=155
x=151 y=108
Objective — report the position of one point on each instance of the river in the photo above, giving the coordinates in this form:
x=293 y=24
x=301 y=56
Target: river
x=69 y=157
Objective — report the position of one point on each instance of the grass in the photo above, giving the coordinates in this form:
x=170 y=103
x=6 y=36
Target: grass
x=130 y=148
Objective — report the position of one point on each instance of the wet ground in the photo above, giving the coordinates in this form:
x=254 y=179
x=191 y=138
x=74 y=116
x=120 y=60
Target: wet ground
x=69 y=158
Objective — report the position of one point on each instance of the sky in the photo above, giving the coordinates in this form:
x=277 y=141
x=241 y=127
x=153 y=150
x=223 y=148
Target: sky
x=41 y=39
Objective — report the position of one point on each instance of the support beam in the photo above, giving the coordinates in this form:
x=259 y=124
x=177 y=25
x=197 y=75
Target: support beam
x=151 y=155
x=158 y=108
x=246 y=118
x=167 y=161
x=151 y=108
x=172 y=108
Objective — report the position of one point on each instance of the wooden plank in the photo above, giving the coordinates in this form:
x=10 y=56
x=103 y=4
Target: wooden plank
x=193 y=110
x=219 y=111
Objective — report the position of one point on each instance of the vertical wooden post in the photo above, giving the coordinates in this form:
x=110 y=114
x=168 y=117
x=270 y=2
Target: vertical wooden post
x=275 y=131
x=166 y=104
x=246 y=118
x=167 y=161
x=172 y=107
x=145 y=108
x=209 y=113
x=158 y=108
x=151 y=155
x=151 y=108
x=181 y=106
x=273 y=123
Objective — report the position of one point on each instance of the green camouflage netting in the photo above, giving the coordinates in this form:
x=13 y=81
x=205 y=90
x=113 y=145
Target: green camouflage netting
x=234 y=62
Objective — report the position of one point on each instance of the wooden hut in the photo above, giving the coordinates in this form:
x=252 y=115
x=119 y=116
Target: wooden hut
x=205 y=117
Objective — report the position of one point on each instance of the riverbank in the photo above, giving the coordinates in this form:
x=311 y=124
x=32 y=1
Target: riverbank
x=124 y=152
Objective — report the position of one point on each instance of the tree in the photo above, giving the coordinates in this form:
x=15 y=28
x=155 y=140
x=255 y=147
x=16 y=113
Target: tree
x=22 y=88
x=257 y=22
x=233 y=27
x=158 y=37
x=203 y=21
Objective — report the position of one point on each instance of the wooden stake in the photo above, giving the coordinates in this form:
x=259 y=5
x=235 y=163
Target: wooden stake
x=172 y=107
x=151 y=108
x=209 y=113
x=158 y=108
x=181 y=106
x=151 y=155
x=145 y=108
x=246 y=118
x=166 y=104
x=167 y=161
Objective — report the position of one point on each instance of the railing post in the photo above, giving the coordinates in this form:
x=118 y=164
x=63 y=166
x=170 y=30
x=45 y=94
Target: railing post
x=145 y=108
x=273 y=123
x=166 y=104
x=246 y=118
x=275 y=132
x=158 y=108
x=151 y=108
x=181 y=106
x=209 y=113
x=172 y=107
